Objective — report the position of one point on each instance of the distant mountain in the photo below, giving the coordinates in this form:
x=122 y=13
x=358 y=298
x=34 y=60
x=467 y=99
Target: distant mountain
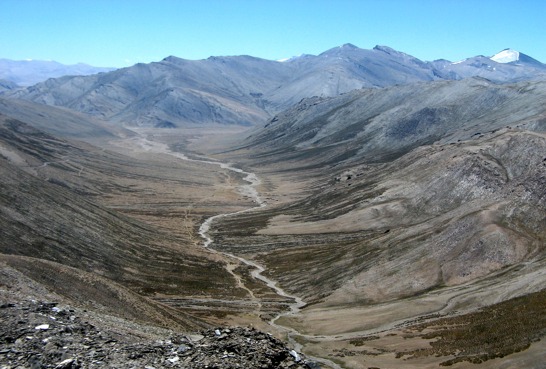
x=346 y=68
x=509 y=56
x=506 y=66
x=223 y=90
x=30 y=72
x=6 y=85
x=245 y=90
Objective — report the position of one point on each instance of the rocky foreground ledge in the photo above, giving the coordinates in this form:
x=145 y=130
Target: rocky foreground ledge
x=44 y=335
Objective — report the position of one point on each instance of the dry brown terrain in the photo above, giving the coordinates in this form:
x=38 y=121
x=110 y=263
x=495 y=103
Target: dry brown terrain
x=325 y=248
x=415 y=259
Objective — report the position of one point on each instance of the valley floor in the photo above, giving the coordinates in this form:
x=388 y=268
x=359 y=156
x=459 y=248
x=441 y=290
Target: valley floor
x=174 y=197
x=387 y=335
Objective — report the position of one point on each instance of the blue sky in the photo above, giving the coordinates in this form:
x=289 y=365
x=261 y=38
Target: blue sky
x=123 y=32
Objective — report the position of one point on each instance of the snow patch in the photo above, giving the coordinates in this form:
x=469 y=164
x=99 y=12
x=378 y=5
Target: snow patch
x=284 y=60
x=506 y=56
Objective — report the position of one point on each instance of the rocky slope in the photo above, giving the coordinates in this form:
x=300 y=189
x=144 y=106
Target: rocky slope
x=440 y=215
x=379 y=125
x=43 y=334
x=39 y=334
x=409 y=203
x=430 y=186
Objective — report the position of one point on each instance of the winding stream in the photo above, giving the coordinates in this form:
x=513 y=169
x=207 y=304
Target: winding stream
x=247 y=190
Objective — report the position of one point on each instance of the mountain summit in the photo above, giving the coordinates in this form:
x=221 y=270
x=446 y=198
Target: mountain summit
x=506 y=56
x=509 y=56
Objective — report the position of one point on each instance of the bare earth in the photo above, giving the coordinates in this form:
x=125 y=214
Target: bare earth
x=304 y=254
x=326 y=329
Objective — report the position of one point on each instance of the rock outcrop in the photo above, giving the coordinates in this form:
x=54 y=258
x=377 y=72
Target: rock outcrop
x=38 y=334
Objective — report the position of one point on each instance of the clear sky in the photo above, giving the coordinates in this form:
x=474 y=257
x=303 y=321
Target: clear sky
x=119 y=33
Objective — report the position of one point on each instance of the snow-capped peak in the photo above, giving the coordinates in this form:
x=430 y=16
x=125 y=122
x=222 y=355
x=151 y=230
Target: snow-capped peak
x=506 y=56
x=284 y=60
x=459 y=62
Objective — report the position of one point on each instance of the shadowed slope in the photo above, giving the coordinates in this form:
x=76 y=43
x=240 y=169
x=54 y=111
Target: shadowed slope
x=61 y=122
x=52 y=196
x=91 y=291
x=378 y=125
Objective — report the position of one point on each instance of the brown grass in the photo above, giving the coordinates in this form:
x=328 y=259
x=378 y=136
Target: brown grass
x=492 y=332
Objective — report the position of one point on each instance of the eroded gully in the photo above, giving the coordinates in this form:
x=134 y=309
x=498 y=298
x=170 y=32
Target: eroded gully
x=248 y=190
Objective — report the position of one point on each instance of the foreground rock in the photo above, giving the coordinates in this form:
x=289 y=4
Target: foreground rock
x=44 y=335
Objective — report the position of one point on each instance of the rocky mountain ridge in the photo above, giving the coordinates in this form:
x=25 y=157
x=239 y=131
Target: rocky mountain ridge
x=379 y=125
x=244 y=90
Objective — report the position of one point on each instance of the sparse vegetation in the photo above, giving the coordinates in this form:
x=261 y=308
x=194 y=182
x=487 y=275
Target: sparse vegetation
x=361 y=341
x=494 y=331
x=381 y=209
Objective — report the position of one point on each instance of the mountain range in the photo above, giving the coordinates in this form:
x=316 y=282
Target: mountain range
x=378 y=125
x=245 y=90
x=30 y=72
x=372 y=209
